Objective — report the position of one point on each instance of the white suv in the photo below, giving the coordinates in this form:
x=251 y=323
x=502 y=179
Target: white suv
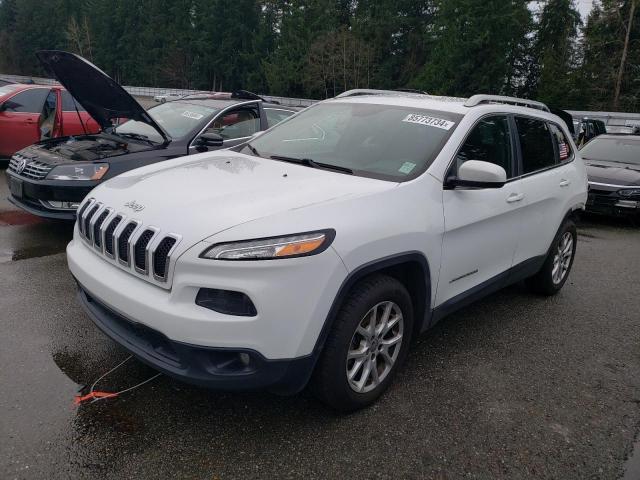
x=316 y=252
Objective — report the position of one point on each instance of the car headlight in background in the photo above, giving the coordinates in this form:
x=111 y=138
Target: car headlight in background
x=298 y=245
x=81 y=171
x=629 y=192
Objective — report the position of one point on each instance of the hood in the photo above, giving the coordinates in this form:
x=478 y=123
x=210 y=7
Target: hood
x=201 y=195
x=96 y=91
x=613 y=173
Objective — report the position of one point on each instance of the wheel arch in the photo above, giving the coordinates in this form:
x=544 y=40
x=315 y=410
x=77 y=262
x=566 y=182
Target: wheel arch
x=410 y=268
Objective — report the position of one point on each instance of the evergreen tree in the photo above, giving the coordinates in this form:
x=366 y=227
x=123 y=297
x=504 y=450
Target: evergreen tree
x=554 y=53
x=471 y=46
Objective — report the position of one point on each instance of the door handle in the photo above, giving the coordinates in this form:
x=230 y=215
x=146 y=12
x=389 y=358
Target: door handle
x=30 y=121
x=565 y=183
x=515 y=197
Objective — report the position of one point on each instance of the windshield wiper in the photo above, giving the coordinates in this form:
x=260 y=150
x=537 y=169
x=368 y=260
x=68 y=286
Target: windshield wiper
x=137 y=136
x=313 y=164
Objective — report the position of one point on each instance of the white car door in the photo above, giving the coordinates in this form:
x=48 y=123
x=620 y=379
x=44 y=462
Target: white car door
x=482 y=226
x=548 y=178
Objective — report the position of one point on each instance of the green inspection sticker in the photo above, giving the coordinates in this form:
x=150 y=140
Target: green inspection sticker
x=407 y=167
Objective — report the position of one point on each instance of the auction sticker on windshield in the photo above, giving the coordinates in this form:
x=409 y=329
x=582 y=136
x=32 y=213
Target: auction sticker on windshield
x=429 y=121
x=194 y=115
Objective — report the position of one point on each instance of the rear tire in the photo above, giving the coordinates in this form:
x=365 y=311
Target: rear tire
x=368 y=343
x=557 y=266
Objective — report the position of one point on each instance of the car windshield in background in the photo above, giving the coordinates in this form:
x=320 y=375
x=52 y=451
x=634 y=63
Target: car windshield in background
x=177 y=118
x=619 y=149
x=380 y=141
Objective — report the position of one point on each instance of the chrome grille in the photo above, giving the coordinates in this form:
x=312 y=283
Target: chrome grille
x=33 y=169
x=140 y=249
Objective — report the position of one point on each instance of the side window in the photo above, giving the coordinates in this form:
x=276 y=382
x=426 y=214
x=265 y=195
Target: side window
x=276 y=115
x=489 y=141
x=237 y=123
x=564 y=149
x=69 y=104
x=536 y=144
x=29 y=101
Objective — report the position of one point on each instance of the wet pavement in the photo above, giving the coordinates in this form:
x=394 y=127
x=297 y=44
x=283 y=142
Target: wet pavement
x=515 y=386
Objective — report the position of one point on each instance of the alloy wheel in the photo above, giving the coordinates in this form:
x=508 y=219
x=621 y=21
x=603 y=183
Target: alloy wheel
x=374 y=347
x=562 y=258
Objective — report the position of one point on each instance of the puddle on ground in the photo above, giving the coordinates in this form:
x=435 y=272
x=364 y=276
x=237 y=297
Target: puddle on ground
x=31 y=252
x=632 y=465
x=17 y=217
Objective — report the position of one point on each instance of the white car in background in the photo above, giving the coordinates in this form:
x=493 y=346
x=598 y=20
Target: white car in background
x=167 y=97
x=318 y=250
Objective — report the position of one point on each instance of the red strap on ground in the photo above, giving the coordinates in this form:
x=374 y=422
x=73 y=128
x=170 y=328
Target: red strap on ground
x=80 y=399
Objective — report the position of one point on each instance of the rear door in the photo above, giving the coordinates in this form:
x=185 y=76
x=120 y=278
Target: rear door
x=276 y=115
x=482 y=226
x=548 y=176
x=19 y=120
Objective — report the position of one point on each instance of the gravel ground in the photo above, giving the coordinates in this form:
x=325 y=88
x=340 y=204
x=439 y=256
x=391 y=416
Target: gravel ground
x=515 y=386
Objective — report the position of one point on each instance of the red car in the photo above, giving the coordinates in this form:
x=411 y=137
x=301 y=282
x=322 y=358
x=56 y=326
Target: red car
x=30 y=113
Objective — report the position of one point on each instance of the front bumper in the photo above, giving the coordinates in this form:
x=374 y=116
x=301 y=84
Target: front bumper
x=216 y=368
x=292 y=298
x=607 y=202
x=32 y=193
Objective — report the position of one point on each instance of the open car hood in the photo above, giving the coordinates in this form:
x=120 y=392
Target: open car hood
x=97 y=92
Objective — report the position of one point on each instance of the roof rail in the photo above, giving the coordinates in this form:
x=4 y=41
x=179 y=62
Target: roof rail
x=368 y=91
x=411 y=90
x=483 y=99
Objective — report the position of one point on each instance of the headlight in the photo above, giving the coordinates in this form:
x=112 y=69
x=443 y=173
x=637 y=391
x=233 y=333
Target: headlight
x=81 y=171
x=630 y=192
x=289 y=246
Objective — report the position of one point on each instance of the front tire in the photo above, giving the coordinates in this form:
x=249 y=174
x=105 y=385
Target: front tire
x=368 y=343
x=555 y=270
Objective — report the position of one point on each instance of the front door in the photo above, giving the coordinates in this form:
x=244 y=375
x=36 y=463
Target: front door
x=19 y=120
x=481 y=225
x=235 y=126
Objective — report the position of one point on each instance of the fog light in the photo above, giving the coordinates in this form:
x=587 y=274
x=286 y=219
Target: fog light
x=627 y=204
x=60 y=205
x=226 y=301
x=245 y=359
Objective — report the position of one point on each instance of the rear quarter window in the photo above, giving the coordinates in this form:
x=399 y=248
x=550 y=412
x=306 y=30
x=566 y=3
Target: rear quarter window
x=69 y=104
x=276 y=115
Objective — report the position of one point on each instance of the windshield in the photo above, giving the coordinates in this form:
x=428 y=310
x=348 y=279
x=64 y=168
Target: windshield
x=379 y=141
x=620 y=149
x=177 y=118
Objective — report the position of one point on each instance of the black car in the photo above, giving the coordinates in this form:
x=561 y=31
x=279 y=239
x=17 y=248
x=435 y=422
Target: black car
x=613 y=167
x=50 y=178
x=589 y=128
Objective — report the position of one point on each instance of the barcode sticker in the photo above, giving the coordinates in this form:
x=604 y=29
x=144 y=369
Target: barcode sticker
x=194 y=115
x=429 y=121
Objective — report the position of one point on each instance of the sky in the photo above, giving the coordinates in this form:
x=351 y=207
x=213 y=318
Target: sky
x=584 y=6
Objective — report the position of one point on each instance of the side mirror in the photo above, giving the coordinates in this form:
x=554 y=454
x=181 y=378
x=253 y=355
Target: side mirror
x=210 y=140
x=3 y=107
x=478 y=174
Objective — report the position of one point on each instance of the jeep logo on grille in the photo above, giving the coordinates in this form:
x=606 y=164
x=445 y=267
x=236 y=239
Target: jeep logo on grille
x=21 y=165
x=136 y=207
